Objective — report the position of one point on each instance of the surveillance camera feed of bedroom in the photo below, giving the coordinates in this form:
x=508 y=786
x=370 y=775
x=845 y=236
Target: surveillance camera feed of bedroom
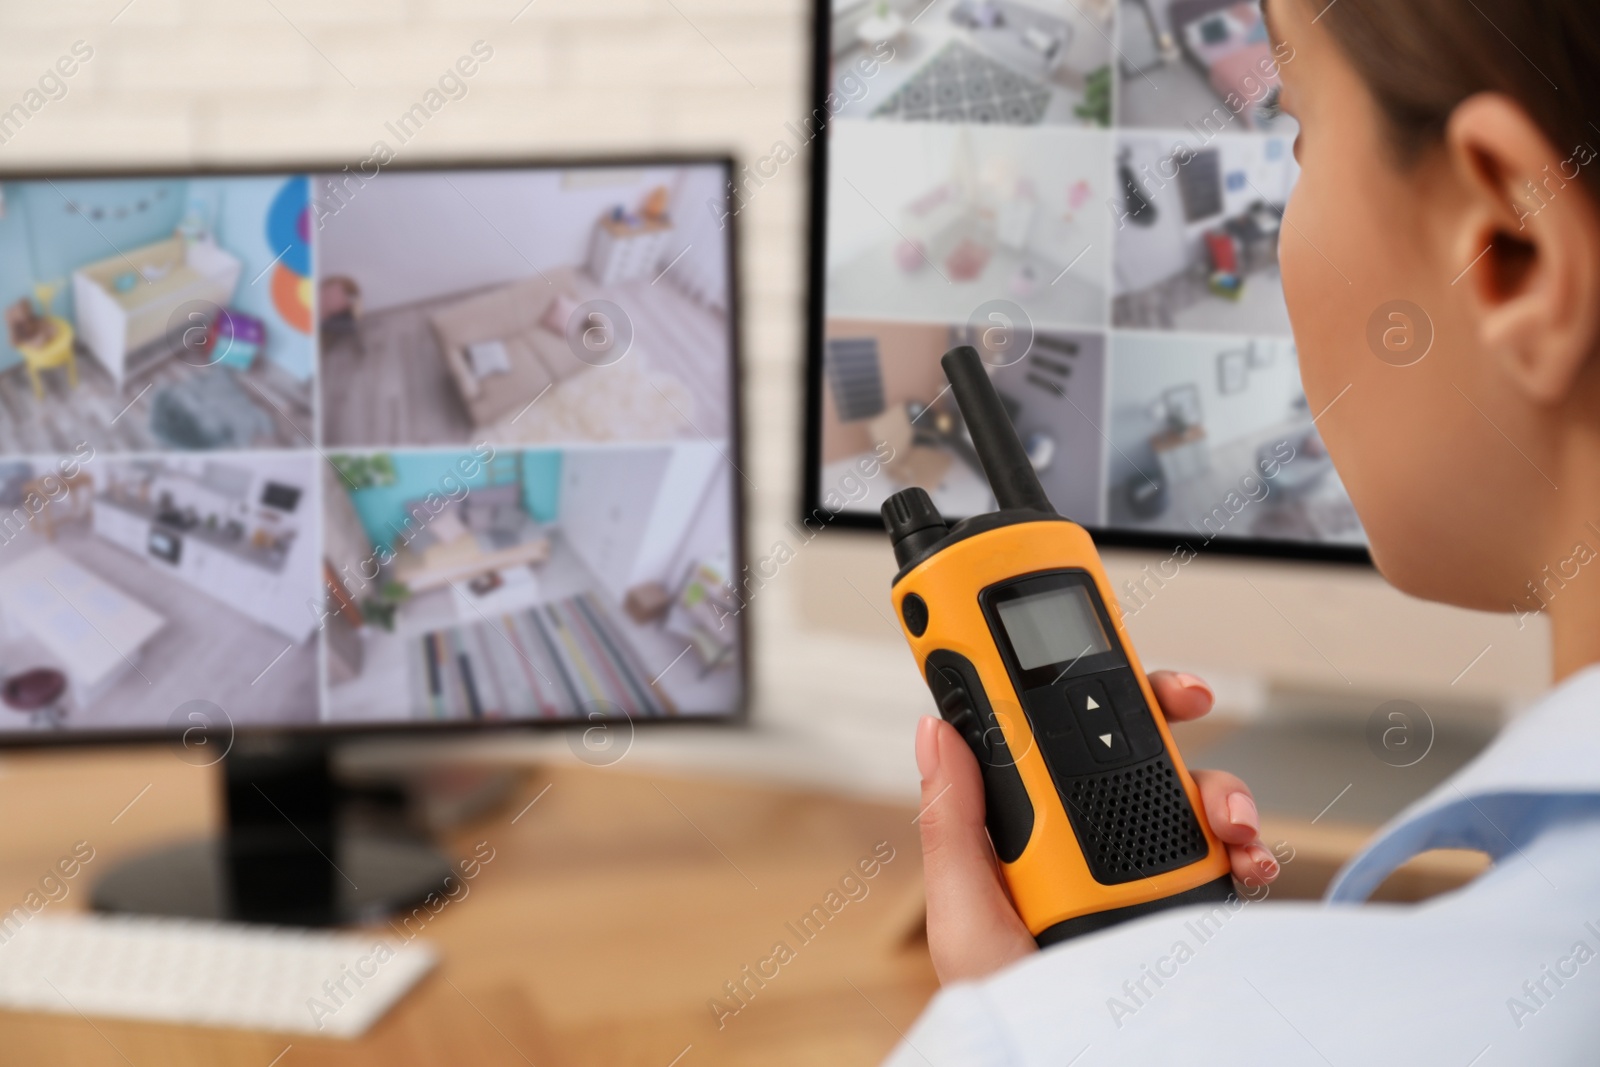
x=376 y=448
x=1091 y=193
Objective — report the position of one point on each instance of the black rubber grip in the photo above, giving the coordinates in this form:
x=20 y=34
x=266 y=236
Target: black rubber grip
x=1218 y=891
x=964 y=705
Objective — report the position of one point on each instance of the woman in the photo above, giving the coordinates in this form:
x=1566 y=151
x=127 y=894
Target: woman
x=1447 y=210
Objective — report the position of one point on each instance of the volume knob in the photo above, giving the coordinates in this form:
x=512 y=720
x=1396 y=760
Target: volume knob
x=913 y=522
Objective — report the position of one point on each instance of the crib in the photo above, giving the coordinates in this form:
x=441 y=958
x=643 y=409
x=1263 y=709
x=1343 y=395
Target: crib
x=115 y=321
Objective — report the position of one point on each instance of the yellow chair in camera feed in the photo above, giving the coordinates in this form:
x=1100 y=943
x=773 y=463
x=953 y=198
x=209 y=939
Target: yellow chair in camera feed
x=56 y=351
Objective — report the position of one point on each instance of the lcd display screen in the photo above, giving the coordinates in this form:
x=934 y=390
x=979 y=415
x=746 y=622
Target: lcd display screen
x=1055 y=627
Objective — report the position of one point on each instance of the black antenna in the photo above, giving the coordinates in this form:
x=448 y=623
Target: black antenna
x=1006 y=465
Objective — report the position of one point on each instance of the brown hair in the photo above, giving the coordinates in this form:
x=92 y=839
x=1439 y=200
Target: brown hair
x=1421 y=58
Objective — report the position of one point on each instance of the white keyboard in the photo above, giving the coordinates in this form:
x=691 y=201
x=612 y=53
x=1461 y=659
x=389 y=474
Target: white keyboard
x=207 y=973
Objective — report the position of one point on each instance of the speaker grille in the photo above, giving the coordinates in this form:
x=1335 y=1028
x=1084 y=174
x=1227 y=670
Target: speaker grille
x=1134 y=822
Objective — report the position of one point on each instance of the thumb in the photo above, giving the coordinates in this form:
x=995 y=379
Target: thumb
x=973 y=929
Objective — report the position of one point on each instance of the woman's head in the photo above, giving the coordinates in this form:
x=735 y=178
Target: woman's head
x=1441 y=260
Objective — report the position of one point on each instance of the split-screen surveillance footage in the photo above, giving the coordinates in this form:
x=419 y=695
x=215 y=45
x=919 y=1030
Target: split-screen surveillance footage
x=425 y=446
x=1093 y=197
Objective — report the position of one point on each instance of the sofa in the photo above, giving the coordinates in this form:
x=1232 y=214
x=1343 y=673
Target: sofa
x=536 y=357
x=488 y=530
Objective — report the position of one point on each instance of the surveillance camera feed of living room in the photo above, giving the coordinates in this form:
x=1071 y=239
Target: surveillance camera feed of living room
x=1093 y=197
x=363 y=448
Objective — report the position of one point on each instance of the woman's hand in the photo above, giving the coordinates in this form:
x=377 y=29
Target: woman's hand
x=973 y=930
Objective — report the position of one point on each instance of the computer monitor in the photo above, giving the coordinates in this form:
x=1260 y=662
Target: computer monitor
x=291 y=456
x=1090 y=193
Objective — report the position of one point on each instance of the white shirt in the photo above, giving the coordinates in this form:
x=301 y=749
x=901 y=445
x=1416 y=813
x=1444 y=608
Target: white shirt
x=1505 y=970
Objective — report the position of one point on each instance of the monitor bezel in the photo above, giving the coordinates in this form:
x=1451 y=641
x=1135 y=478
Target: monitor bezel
x=338 y=733
x=810 y=502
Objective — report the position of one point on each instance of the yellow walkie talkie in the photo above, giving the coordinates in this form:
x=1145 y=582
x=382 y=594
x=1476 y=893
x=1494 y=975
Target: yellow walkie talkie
x=1093 y=816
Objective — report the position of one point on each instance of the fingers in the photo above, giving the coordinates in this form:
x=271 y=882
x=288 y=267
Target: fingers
x=1182 y=696
x=1253 y=865
x=1231 y=813
x=1230 y=809
x=953 y=834
x=972 y=928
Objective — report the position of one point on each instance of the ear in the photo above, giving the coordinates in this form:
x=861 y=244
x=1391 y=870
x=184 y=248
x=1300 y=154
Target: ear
x=1532 y=233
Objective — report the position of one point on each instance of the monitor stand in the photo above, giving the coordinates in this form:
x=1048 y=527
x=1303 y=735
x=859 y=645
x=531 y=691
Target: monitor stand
x=283 y=857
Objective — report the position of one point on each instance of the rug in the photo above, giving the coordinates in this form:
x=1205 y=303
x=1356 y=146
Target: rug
x=555 y=661
x=960 y=84
x=625 y=401
x=209 y=410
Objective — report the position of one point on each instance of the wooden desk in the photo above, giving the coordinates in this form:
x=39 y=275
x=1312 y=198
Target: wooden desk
x=615 y=908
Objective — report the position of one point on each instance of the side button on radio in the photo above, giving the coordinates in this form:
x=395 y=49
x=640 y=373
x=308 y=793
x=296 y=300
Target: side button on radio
x=956 y=708
x=914 y=610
